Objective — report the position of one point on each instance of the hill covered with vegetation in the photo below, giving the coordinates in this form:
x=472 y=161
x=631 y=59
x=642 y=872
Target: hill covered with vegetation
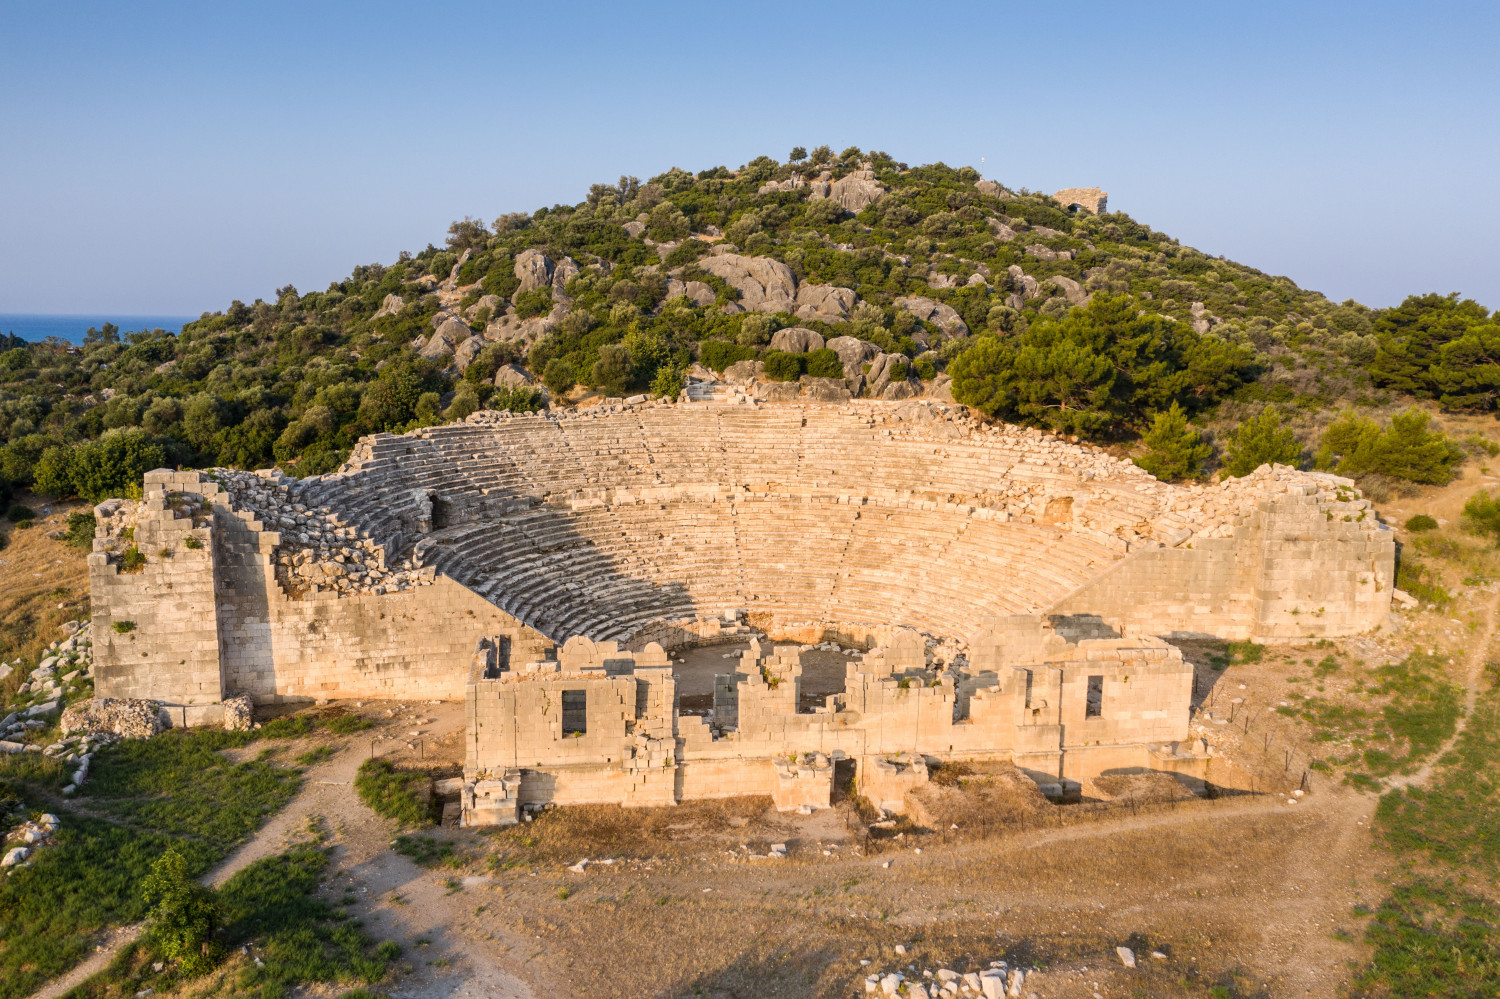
x=1088 y=324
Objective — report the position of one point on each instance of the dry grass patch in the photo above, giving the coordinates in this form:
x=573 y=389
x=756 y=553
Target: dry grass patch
x=37 y=574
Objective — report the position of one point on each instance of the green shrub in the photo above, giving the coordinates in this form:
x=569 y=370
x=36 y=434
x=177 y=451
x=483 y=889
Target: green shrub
x=183 y=914
x=1482 y=515
x=132 y=560
x=782 y=366
x=19 y=512
x=123 y=627
x=720 y=354
x=668 y=382
x=926 y=370
x=1174 y=451
x=192 y=541
x=81 y=530
x=1421 y=522
x=559 y=376
x=824 y=363
x=897 y=371
x=1407 y=449
x=518 y=398
x=1258 y=441
x=529 y=304
x=612 y=372
x=401 y=795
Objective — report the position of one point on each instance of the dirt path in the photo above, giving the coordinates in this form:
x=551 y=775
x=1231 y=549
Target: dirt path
x=443 y=965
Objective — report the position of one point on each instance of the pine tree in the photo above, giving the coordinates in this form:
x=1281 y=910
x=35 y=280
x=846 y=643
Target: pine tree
x=1261 y=440
x=1173 y=449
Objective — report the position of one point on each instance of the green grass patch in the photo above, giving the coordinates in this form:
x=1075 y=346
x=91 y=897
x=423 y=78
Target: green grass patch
x=1432 y=940
x=427 y=851
x=316 y=755
x=1455 y=819
x=273 y=907
x=347 y=724
x=1409 y=710
x=402 y=795
x=144 y=797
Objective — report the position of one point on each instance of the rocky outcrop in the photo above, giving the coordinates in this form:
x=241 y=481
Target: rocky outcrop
x=533 y=269
x=445 y=339
x=880 y=380
x=744 y=372
x=510 y=329
x=940 y=315
x=854 y=192
x=563 y=271
x=466 y=351
x=1030 y=287
x=765 y=285
x=796 y=340
x=695 y=291
x=825 y=302
x=390 y=305
x=854 y=354
x=512 y=376
x=991 y=188
x=1071 y=289
x=1047 y=253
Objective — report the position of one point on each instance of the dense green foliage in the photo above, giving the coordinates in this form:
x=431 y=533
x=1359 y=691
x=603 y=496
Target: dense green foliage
x=182 y=913
x=1258 y=441
x=1355 y=445
x=1100 y=367
x=1174 y=451
x=297 y=378
x=1482 y=514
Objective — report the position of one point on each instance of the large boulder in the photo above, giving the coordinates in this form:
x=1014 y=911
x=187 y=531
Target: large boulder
x=744 y=372
x=533 y=269
x=826 y=302
x=764 y=284
x=445 y=339
x=824 y=389
x=1030 y=288
x=695 y=291
x=796 y=340
x=854 y=191
x=565 y=270
x=465 y=352
x=509 y=329
x=511 y=376
x=853 y=353
x=879 y=377
x=390 y=305
x=1071 y=289
x=941 y=389
x=940 y=315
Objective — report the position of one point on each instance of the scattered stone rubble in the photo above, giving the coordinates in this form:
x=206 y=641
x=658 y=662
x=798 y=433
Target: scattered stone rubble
x=22 y=842
x=1000 y=980
x=317 y=552
x=63 y=675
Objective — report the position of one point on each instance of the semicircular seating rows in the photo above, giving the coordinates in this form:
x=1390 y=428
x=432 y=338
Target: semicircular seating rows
x=602 y=522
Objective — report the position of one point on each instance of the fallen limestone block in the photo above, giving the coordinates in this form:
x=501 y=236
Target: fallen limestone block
x=1127 y=956
x=14 y=856
x=239 y=713
x=43 y=710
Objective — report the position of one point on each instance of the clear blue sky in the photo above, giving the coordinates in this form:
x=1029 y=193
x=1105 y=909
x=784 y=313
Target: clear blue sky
x=161 y=158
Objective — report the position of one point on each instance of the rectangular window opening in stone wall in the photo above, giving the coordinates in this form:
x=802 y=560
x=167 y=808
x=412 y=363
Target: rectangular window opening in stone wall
x=1028 y=688
x=1095 y=707
x=575 y=712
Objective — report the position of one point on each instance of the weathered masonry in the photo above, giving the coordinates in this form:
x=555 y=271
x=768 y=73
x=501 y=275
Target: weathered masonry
x=600 y=724
x=655 y=526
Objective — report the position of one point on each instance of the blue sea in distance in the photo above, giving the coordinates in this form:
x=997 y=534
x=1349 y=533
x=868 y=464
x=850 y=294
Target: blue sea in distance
x=35 y=328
